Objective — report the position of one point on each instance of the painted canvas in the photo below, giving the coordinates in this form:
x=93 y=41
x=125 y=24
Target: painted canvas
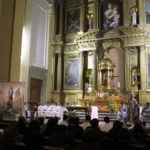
x=12 y=96
x=111 y=14
x=72 y=73
x=72 y=20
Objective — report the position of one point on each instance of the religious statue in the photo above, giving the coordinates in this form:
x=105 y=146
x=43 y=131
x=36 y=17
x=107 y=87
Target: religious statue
x=90 y=21
x=133 y=13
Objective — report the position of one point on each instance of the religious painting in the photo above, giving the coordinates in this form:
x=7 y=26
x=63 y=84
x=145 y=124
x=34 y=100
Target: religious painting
x=72 y=20
x=111 y=14
x=148 y=79
x=11 y=97
x=72 y=73
x=147 y=11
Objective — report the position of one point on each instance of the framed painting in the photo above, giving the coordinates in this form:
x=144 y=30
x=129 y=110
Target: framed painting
x=72 y=18
x=72 y=73
x=111 y=14
x=147 y=11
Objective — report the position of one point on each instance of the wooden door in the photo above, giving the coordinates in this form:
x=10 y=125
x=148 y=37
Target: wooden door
x=35 y=90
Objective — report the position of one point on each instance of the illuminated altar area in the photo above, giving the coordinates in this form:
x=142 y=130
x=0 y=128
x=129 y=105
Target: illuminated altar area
x=98 y=64
x=107 y=97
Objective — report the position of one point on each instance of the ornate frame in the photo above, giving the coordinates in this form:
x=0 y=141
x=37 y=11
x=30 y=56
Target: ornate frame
x=112 y=21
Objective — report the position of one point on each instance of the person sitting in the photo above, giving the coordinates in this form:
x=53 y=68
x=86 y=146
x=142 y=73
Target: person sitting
x=92 y=133
x=86 y=123
x=106 y=125
x=63 y=121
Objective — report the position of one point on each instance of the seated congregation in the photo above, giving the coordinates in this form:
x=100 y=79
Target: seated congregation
x=72 y=134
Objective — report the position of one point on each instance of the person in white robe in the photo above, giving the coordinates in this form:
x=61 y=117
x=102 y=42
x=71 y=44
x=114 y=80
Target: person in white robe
x=94 y=112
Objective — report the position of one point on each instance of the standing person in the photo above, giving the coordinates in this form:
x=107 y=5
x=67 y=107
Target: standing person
x=146 y=113
x=135 y=109
x=10 y=98
x=62 y=111
x=124 y=113
x=25 y=110
x=94 y=111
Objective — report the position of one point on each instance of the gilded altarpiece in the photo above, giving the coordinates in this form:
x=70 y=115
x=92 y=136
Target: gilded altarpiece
x=127 y=47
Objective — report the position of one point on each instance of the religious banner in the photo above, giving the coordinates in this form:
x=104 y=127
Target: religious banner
x=111 y=14
x=11 y=96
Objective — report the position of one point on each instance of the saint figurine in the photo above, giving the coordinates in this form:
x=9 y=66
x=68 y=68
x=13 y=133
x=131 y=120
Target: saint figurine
x=133 y=13
x=90 y=20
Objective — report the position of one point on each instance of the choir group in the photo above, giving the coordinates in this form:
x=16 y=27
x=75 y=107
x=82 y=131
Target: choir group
x=44 y=111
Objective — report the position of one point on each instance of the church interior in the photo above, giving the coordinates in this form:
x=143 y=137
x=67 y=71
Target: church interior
x=79 y=55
